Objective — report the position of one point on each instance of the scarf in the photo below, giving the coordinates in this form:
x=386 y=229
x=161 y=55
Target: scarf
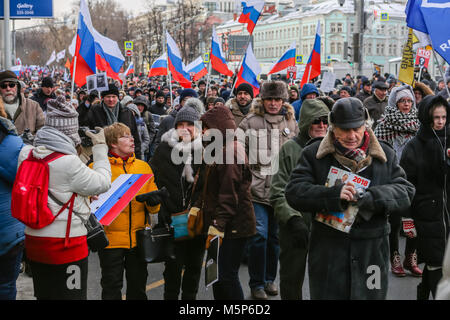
x=357 y=154
x=54 y=140
x=396 y=125
x=111 y=115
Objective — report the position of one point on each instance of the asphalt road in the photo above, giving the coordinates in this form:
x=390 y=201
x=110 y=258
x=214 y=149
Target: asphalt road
x=399 y=288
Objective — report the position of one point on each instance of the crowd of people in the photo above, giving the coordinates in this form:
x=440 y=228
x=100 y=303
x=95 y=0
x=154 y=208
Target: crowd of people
x=261 y=198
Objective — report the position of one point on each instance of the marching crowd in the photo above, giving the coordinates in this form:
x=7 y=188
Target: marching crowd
x=261 y=198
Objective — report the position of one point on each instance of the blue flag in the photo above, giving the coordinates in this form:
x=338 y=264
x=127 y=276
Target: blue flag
x=436 y=15
x=414 y=17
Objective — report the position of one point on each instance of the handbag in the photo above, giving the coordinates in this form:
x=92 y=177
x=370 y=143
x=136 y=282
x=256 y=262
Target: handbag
x=195 y=219
x=155 y=244
x=96 y=235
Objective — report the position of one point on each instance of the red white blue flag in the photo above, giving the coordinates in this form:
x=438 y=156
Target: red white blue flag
x=286 y=60
x=312 y=68
x=251 y=10
x=130 y=69
x=159 y=67
x=218 y=62
x=175 y=63
x=197 y=68
x=111 y=203
x=249 y=71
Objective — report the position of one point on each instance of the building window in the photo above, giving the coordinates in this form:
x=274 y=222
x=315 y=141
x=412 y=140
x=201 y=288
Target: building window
x=339 y=47
x=333 y=48
x=305 y=30
x=369 y=48
x=339 y=27
x=312 y=31
x=333 y=27
x=352 y=28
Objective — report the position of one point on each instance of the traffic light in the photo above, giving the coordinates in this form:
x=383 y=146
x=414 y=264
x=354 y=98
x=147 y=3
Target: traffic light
x=356 y=48
x=348 y=54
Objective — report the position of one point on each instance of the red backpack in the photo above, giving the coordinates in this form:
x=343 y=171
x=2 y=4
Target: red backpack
x=30 y=193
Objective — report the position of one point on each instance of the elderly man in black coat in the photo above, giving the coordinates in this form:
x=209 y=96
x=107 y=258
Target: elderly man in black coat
x=351 y=264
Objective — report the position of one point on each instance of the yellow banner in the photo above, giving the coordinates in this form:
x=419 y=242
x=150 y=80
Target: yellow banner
x=406 y=73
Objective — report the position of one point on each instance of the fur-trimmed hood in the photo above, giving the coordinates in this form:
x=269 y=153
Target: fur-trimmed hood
x=426 y=90
x=258 y=109
x=375 y=151
x=185 y=150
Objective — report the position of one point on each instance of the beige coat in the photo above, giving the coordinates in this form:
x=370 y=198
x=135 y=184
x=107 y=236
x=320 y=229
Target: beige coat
x=235 y=111
x=28 y=115
x=263 y=156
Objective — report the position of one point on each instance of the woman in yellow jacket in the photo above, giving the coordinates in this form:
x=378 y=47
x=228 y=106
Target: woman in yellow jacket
x=121 y=254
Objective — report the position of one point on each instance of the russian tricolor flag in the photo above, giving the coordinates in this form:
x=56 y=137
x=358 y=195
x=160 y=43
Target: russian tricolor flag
x=111 y=203
x=175 y=63
x=251 y=10
x=159 y=67
x=198 y=68
x=312 y=68
x=130 y=69
x=84 y=47
x=218 y=62
x=286 y=60
x=108 y=56
x=249 y=71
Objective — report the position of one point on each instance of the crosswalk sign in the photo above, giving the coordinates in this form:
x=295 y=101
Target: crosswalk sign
x=298 y=59
x=129 y=45
x=384 y=16
x=206 y=58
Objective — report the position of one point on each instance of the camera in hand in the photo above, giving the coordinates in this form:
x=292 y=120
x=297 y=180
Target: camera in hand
x=27 y=137
x=85 y=140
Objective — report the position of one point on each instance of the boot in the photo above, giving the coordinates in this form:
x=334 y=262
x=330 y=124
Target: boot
x=410 y=264
x=396 y=265
x=423 y=293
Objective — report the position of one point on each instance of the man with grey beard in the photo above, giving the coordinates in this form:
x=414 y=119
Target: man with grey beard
x=23 y=112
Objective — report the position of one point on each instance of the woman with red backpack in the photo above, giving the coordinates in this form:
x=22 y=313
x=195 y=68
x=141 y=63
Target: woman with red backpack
x=58 y=252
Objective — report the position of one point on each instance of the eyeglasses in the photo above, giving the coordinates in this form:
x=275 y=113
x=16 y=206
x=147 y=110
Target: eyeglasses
x=319 y=120
x=127 y=136
x=405 y=101
x=5 y=85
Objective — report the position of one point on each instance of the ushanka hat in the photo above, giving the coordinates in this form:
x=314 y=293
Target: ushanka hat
x=62 y=116
x=274 y=89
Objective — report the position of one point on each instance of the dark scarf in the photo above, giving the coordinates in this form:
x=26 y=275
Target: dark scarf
x=357 y=154
x=245 y=109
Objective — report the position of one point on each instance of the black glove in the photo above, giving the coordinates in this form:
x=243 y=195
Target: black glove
x=299 y=232
x=154 y=198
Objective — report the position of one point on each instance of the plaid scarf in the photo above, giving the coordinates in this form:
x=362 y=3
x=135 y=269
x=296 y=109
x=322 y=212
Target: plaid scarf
x=396 y=125
x=357 y=154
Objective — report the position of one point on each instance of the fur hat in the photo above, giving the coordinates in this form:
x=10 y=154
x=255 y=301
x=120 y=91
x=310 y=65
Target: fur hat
x=274 y=89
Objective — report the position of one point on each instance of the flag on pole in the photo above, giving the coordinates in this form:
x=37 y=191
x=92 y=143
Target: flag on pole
x=84 y=47
x=108 y=56
x=60 y=55
x=286 y=60
x=198 y=68
x=312 y=68
x=406 y=72
x=159 y=67
x=415 y=20
x=51 y=59
x=67 y=65
x=250 y=69
x=436 y=15
x=175 y=63
x=218 y=62
x=251 y=10
x=130 y=69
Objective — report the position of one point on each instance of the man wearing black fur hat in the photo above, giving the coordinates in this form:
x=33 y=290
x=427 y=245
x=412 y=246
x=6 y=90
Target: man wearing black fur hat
x=110 y=111
x=270 y=121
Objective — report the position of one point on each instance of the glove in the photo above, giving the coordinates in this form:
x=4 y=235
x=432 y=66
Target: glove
x=192 y=217
x=153 y=198
x=212 y=232
x=366 y=206
x=299 y=232
x=97 y=138
x=409 y=228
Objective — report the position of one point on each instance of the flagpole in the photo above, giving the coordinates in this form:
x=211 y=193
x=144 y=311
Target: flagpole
x=240 y=63
x=309 y=73
x=73 y=74
x=440 y=70
x=209 y=75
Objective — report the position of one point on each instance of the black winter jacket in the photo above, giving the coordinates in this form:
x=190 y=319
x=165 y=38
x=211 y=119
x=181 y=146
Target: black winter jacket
x=427 y=168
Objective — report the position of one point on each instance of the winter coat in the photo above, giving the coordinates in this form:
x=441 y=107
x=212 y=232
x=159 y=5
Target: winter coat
x=42 y=99
x=83 y=112
x=340 y=264
x=97 y=118
x=363 y=95
x=165 y=125
x=121 y=232
x=236 y=111
x=290 y=153
x=263 y=156
x=28 y=115
x=67 y=175
x=227 y=200
x=427 y=168
x=175 y=173
x=375 y=107
x=159 y=109
x=11 y=230
x=306 y=89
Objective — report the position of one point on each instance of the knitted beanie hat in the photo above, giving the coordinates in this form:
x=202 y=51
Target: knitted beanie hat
x=187 y=114
x=405 y=93
x=63 y=117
